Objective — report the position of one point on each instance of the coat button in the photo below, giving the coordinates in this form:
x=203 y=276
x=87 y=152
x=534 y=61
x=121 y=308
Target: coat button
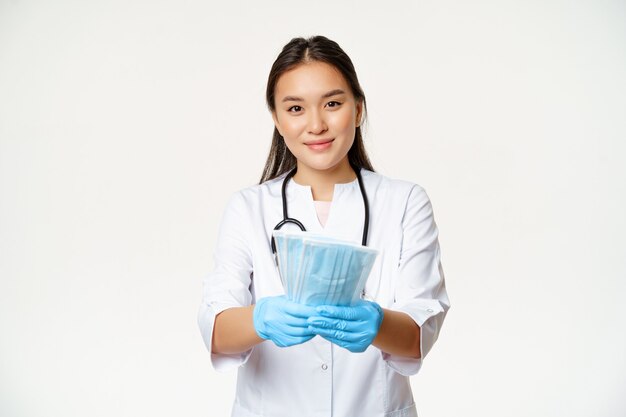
x=430 y=310
x=324 y=366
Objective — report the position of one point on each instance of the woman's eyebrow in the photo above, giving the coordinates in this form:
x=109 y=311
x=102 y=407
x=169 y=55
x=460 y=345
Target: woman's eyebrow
x=331 y=93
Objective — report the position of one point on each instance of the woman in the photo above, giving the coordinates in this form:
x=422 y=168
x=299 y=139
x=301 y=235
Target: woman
x=361 y=362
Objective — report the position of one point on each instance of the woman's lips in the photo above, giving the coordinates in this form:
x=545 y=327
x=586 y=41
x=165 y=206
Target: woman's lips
x=320 y=146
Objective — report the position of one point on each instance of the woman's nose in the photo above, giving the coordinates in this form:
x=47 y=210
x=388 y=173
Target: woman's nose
x=316 y=122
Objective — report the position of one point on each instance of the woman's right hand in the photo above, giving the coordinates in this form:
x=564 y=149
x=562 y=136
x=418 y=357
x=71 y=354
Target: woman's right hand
x=282 y=321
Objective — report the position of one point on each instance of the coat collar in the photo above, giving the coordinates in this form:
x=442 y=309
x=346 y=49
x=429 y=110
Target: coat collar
x=345 y=219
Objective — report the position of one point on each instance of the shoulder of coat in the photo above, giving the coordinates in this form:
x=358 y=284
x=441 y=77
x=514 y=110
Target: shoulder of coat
x=253 y=192
x=392 y=184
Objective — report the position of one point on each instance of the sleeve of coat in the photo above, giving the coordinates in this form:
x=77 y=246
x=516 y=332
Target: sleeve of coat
x=420 y=288
x=229 y=284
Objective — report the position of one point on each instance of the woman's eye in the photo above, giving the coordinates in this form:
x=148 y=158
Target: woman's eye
x=297 y=108
x=334 y=103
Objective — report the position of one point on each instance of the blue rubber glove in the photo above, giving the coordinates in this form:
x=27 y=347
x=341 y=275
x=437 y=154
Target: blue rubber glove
x=353 y=328
x=282 y=321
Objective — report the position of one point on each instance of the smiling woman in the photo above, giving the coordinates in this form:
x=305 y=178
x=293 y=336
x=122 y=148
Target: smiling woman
x=323 y=360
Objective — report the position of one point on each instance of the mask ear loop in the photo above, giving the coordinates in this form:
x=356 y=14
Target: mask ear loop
x=372 y=296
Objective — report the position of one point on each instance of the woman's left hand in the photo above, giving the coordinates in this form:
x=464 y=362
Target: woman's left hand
x=353 y=328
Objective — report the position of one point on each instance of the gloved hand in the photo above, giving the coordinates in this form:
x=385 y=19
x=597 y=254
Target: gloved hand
x=353 y=328
x=282 y=321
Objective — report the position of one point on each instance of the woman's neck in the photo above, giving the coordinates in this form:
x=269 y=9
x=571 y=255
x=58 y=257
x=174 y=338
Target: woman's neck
x=322 y=183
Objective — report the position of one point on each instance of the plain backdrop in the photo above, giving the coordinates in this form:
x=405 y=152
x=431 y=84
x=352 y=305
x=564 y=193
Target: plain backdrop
x=126 y=125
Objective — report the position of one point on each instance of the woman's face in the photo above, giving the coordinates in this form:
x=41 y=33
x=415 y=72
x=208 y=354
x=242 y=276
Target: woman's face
x=316 y=114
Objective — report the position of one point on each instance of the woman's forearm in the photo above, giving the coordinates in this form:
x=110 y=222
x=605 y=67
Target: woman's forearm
x=398 y=335
x=233 y=331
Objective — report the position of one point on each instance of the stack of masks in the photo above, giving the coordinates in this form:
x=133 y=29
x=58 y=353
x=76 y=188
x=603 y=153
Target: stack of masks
x=319 y=270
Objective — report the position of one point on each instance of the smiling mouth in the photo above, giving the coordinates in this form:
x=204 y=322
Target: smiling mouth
x=318 y=142
x=320 y=146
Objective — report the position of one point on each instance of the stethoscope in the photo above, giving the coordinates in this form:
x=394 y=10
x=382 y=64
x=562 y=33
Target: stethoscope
x=286 y=219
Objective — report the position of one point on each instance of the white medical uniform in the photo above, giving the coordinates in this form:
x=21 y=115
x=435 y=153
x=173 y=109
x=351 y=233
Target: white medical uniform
x=318 y=378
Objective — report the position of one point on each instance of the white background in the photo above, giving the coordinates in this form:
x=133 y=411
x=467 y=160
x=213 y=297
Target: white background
x=126 y=125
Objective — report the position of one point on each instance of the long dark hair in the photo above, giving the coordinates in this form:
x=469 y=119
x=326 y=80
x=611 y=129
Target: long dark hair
x=299 y=51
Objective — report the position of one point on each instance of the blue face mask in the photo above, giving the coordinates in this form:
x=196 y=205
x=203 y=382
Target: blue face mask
x=319 y=270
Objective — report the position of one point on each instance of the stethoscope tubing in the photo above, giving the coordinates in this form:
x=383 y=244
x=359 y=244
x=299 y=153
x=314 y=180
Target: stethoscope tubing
x=286 y=219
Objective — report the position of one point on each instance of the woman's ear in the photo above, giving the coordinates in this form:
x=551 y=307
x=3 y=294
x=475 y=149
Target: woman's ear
x=359 y=112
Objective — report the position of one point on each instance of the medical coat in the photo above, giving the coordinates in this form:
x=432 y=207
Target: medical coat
x=318 y=378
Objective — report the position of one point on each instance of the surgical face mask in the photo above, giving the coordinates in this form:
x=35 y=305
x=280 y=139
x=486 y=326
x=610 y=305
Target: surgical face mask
x=319 y=270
